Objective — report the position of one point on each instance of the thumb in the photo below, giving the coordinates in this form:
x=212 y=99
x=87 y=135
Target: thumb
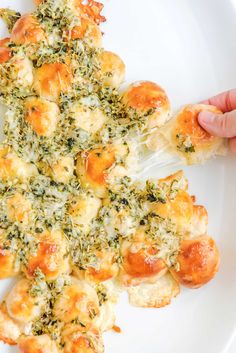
x=222 y=125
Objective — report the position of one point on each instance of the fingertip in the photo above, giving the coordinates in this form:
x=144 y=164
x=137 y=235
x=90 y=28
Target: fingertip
x=206 y=118
x=232 y=145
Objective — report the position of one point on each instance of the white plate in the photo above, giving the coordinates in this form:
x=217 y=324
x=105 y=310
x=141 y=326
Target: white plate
x=189 y=48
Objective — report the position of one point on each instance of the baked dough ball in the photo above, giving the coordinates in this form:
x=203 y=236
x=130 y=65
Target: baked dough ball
x=140 y=263
x=62 y=171
x=78 y=340
x=42 y=115
x=37 y=344
x=19 y=74
x=5 y=51
x=189 y=139
x=7 y=263
x=12 y=167
x=23 y=72
x=88 y=31
x=104 y=269
x=78 y=301
x=198 y=262
x=87 y=119
x=27 y=30
x=50 y=256
x=50 y=80
x=147 y=99
x=92 y=168
x=21 y=306
x=8 y=266
x=154 y=295
x=177 y=204
x=97 y=168
x=112 y=70
x=18 y=208
x=191 y=220
x=83 y=209
x=9 y=330
x=179 y=209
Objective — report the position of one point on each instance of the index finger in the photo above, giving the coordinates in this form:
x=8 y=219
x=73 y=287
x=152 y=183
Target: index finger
x=225 y=101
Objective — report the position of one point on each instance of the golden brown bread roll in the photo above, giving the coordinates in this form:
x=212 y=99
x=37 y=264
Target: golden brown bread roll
x=105 y=268
x=12 y=167
x=50 y=80
x=112 y=69
x=42 y=115
x=77 y=301
x=27 y=30
x=50 y=256
x=62 y=170
x=92 y=168
x=86 y=119
x=141 y=263
x=147 y=100
x=198 y=262
x=88 y=31
x=21 y=305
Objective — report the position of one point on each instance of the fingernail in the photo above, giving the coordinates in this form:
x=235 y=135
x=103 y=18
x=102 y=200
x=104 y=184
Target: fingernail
x=206 y=117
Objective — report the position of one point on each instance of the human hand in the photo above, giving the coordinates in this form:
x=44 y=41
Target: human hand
x=221 y=125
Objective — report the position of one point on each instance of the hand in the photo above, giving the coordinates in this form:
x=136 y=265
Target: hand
x=221 y=125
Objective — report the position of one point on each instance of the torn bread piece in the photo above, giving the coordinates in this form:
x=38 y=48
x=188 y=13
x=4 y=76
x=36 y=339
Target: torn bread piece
x=189 y=140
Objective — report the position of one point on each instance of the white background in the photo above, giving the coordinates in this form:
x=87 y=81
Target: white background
x=189 y=48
